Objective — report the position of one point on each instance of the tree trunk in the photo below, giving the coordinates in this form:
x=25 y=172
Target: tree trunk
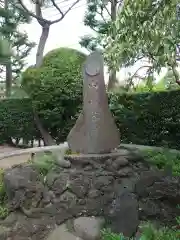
x=32 y=143
x=8 y=64
x=8 y=79
x=112 y=73
x=41 y=45
x=112 y=79
x=48 y=140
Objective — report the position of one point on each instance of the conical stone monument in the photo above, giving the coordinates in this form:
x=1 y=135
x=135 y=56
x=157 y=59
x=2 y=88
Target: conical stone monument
x=95 y=131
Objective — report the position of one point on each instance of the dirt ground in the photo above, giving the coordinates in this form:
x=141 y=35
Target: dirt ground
x=9 y=162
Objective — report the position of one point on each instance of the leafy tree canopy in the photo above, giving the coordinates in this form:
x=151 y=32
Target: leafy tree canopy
x=98 y=18
x=145 y=29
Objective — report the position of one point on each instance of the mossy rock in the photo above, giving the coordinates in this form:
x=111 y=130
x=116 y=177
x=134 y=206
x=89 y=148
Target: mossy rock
x=70 y=152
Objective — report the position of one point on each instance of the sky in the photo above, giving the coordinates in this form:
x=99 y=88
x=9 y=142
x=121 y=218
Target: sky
x=66 y=33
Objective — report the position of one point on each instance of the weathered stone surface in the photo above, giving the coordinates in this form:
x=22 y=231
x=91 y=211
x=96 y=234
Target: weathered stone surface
x=77 y=135
x=88 y=228
x=4 y=232
x=124 y=214
x=23 y=187
x=157 y=196
x=147 y=179
x=124 y=172
x=61 y=233
x=30 y=229
x=95 y=130
x=120 y=162
x=70 y=193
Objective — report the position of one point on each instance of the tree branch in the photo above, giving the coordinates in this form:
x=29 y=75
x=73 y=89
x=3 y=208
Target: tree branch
x=104 y=5
x=120 y=5
x=139 y=58
x=64 y=14
x=101 y=14
x=178 y=53
x=139 y=69
x=136 y=75
x=40 y=19
x=31 y=13
x=176 y=75
x=57 y=7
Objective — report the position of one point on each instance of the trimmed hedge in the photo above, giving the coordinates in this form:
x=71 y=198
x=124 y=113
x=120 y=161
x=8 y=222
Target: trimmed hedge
x=147 y=118
x=16 y=120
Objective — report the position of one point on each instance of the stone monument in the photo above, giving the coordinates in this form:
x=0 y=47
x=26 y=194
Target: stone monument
x=95 y=131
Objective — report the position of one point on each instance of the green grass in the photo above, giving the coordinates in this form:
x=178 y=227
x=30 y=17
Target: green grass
x=164 y=159
x=3 y=197
x=44 y=163
x=106 y=234
x=148 y=232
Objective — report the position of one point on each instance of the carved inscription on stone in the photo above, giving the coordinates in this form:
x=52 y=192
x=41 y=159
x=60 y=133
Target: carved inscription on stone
x=95 y=130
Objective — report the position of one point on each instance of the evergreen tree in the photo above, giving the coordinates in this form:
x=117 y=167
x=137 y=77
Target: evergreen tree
x=17 y=44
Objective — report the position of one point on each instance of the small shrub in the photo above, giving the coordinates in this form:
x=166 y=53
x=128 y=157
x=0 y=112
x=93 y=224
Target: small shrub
x=69 y=152
x=3 y=197
x=108 y=235
x=56 y=90
x=149 y=232
x=44 y=163
x=164 y=159
x=4 y=211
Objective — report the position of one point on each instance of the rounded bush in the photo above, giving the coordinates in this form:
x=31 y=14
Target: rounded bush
x=56 y=89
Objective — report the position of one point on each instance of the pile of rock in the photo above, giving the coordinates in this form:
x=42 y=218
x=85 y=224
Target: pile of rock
x=121 y=188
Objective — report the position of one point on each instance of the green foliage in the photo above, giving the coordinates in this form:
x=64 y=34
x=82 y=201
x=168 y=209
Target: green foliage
x=4 y=212
x=107 y=234
x=5 y=50
x=164 y=159
x=147 y=118
x=169 y=80
x=162 y=85
x=145 y=29
x=2 y=189
x=16 y=120
x=44 y=163
x=148 y=232
x=17 y=46
x=98 y=18
x=3 y=197
x=143 y=118
x=56 y=89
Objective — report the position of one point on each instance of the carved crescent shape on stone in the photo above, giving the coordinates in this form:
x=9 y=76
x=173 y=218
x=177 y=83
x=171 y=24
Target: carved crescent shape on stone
x=93 y=64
